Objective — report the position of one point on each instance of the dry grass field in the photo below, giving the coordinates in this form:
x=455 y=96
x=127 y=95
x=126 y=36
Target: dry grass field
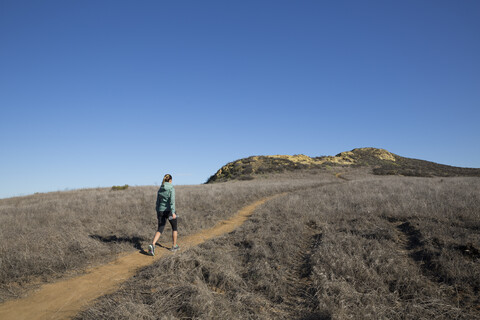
x=369 y=248
x=361 y=247
x=48 y=236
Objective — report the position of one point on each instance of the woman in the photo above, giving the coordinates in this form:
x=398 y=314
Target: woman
x=165 y=210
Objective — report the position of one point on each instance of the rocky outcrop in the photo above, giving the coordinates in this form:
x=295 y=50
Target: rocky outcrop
x=381 y=161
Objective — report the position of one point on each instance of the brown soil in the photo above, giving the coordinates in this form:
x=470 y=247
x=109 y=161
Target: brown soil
x=64 y=299
x=339 y=175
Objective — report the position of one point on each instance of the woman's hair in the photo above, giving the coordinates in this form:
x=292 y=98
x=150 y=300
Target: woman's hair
x=167 y=178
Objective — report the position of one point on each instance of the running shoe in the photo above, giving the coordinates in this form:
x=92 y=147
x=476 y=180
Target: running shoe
x=175 y=248
x=151 y=250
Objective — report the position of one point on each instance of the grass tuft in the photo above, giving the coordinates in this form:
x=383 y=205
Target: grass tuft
x=117 y=188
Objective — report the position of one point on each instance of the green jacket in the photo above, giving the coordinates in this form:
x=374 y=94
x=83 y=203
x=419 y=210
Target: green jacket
x=166 y=198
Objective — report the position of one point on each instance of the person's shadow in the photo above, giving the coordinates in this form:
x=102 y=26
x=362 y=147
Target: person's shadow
x=135 y=241
x=142 y=251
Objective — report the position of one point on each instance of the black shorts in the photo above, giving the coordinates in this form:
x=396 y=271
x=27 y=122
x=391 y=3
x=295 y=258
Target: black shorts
x=162 y=221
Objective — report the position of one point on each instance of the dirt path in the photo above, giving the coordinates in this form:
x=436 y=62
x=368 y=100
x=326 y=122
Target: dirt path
x=64 y=299
x=339 y=175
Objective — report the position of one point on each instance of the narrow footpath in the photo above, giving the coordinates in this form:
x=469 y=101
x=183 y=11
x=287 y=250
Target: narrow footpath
x=64 y=299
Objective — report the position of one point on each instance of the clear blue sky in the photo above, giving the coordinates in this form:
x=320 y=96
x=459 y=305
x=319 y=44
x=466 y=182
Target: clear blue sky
x=102 y=93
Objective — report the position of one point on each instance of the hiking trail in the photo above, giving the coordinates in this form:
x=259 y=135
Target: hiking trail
x=65 y=298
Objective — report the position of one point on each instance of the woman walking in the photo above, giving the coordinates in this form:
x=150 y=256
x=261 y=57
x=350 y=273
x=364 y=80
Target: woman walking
x=165 y=210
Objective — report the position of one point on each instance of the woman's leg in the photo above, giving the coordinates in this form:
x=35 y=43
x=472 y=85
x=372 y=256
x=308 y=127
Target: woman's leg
x=162 y=220
x=157 y=236
x=173 y=223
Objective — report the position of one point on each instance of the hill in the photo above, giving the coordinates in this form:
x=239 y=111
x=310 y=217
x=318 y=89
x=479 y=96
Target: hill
x=381 y=162
x=362 y=247
x=372 y=247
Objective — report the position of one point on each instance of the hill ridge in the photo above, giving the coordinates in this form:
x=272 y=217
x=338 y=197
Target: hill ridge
x=381 y=161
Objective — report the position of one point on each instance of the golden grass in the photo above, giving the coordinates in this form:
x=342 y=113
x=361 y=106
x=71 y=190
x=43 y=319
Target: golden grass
x=367 y=248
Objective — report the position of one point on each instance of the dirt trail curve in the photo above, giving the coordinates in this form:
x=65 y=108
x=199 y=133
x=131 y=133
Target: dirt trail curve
x=339 y=175
x=64 y=299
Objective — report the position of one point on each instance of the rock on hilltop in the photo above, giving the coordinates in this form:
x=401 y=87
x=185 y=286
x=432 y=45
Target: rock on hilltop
x=381 y=162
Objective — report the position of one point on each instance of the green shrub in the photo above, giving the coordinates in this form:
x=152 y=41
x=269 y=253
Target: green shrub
x=116 y=188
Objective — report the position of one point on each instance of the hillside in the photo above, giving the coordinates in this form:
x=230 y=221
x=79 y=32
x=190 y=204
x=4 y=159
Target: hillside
x=380 y=161
x=361 y=247
x=372 y=247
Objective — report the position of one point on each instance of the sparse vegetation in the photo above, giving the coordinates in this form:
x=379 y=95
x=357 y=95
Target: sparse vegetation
x=380 y=161
x=261 y=165
x=116 y=188
x=422 y=168
x=340 y=244
x=371 y=248
x=45 y=236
